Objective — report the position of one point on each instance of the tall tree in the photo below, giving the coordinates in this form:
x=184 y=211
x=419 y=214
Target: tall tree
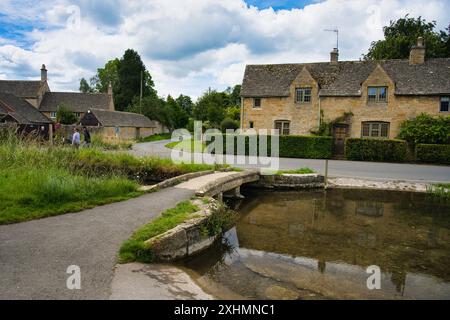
x=106 y=75
x=179 y=116
x=186 y=103
x=402 y=34
x=130 y=70
x=85 y=87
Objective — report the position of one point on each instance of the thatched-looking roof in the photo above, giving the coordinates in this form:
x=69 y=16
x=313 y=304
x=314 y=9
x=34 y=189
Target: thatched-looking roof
x=345 y=78
x=108 y=118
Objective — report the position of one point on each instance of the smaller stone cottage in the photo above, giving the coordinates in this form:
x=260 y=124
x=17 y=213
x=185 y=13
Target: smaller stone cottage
x=19 y=112
x=122 y=125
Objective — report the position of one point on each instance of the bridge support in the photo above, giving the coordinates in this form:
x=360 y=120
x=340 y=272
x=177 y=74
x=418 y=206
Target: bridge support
x=234 y=193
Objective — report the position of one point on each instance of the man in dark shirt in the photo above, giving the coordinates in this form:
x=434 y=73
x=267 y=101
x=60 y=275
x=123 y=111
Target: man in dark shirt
x=87 y=137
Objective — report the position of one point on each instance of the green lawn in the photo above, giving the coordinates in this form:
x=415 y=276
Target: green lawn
x=187 y=145
x=156 y=137
x=296 y=171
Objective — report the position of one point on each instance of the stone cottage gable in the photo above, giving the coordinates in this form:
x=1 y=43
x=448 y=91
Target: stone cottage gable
x=378 y=78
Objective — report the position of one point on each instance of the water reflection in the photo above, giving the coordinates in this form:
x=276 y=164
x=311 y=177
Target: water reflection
x=317 y=245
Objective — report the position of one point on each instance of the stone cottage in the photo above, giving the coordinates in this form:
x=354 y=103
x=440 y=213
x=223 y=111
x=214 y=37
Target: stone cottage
x=361 y=98
x=123 y=125
x=38 y=94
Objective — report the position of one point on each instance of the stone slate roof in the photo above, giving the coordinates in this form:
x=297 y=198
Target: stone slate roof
x=22 y=89
x=345 y=78
x=21 y=110
x=76 y=102
x=109 y=118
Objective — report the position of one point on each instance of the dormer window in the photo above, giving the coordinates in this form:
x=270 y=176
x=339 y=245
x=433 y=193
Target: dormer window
x=377 y=94
x=303 y=95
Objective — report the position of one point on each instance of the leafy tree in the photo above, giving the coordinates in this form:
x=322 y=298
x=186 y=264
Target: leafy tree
x=426 y=129
x=65 y=116
x=106 y=75
x=130 y=69
x=211 y=106
x=228 y=123
x=234 y=95
x=179 y=116
x=233 y=112
x=154 y=108
x=85 y=87
x=402 y=34
x=186 y=103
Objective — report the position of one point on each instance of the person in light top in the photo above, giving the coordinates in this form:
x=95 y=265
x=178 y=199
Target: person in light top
x=76 y=138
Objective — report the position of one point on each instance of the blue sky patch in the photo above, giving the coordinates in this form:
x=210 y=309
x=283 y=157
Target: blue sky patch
x=280 y=4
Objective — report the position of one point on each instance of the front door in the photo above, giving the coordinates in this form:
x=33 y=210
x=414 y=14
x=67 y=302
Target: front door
x=340 y=133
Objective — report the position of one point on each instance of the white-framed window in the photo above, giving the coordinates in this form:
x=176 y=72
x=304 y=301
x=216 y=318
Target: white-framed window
x=257 y=103
x=377 y=94
x=303 y=95
x=444 y=106
x=375 y=129
x=53 y=115
x=283 y=126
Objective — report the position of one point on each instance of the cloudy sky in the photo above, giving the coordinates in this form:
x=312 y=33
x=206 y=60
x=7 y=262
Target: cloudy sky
x=189 y=45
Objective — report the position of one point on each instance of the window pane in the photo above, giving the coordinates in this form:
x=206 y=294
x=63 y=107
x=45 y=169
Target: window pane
x=251 y=124
x=366 y=130
x=445 y=101
x=382 y=94
x=372 y=94
x=278 y=126
x=384 y=130
x=257 y=103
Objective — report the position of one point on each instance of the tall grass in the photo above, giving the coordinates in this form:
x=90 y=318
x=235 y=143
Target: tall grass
x=38 y=181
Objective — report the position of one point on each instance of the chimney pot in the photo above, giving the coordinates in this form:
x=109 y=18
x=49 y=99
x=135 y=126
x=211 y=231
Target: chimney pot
x=43 y=73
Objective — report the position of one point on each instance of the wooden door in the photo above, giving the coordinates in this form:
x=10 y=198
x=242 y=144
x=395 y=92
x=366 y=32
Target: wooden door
x=340 y=133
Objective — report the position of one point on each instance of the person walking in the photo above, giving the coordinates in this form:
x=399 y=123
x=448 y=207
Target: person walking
x=76 y=138
x=87 y=138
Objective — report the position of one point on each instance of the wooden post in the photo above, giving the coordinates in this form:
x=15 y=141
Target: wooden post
x=50 y=133
x=326 y=173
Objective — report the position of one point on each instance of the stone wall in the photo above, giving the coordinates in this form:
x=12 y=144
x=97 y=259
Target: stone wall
x=291 y=181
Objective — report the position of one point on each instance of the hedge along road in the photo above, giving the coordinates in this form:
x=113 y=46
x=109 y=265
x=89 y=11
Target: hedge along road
x=336 y=168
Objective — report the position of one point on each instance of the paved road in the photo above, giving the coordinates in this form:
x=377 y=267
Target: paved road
x=34 y=255
x=337 y=168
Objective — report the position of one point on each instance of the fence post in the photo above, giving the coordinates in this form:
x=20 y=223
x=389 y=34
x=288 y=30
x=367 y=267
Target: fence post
x=326 y=173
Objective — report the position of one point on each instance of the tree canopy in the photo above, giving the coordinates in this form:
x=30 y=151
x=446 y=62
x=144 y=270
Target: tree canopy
x=402 y=34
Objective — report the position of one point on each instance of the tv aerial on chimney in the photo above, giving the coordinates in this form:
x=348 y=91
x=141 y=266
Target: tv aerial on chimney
x=335 y=30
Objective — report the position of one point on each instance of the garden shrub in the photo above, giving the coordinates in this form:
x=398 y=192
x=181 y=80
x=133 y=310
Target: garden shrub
x=433 y=153
x=426 y=129
x=376 y=150
x=309 y=147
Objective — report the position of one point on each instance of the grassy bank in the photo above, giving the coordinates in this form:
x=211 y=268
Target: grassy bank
x=38 y=181
x=136 y=248
x=187 y=145
x=440 y=190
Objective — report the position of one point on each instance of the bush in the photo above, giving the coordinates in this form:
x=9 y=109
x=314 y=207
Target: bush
x=308 y=147
x=433 y=153
x=426 y=129
x=376 y=150
x=65 y=116
x=229 y=124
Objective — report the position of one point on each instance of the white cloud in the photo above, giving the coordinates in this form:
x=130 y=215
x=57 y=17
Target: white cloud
x=190 y=45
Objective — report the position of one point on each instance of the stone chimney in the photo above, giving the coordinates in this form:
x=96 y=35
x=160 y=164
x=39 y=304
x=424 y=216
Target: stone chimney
x=111 y=97
x=43 y=73
x=417 y=54
x=334 y=55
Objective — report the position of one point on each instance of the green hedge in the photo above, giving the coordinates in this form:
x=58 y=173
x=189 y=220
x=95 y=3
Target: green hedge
x=376 y=150
x=433 y=153
x=307 y=147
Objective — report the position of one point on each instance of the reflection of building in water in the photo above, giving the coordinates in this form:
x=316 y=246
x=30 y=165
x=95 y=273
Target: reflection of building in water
x=370 y=208
x=349 y=226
